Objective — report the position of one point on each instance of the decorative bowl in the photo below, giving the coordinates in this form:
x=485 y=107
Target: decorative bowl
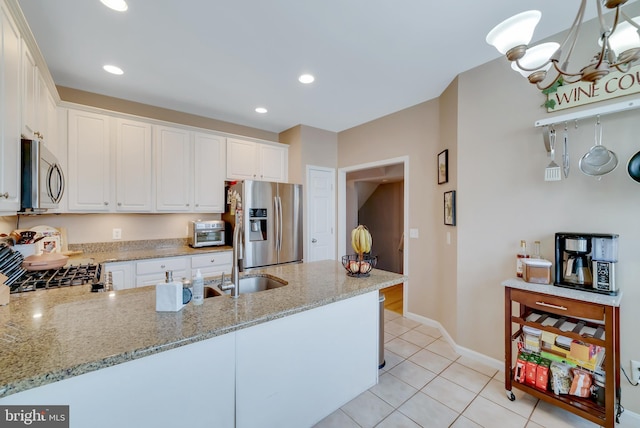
x=359 y=268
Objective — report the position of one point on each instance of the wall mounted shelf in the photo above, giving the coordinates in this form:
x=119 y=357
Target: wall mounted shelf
x=592 y=112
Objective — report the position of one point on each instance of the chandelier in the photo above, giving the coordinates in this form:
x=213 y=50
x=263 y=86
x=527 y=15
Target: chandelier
x=619 y=46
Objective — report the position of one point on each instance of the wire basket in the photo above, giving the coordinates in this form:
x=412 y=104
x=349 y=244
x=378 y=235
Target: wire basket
x=359 y=268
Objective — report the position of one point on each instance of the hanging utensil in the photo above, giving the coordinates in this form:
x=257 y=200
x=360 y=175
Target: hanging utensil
x=565 y=152
x=552 y=172
x=598 y=161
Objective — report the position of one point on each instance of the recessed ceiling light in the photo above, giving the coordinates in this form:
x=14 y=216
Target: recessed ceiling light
x=113 y=69
x=261 y=110
x=306 y=79
x=118 y=5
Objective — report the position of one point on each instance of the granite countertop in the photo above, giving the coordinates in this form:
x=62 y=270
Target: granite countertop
x=585 y=296
x=125 y=254
x=50 y=335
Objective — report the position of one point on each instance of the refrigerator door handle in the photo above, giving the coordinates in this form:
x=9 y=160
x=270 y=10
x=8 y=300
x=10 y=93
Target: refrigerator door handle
x=280 y=220
x=276 y=222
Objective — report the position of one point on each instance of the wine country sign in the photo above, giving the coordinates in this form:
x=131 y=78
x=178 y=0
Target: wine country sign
x=613 y=85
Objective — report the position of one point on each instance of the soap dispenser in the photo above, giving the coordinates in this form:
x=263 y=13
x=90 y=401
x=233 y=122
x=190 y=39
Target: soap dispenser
x=170 y=295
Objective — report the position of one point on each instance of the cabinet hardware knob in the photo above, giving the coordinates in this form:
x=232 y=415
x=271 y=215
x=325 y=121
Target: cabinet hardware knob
x=4 y=195
x=197 y=205
x=187 y=204
x=162 y=266
x=106 y=203
x=549 y=305
x=119 y=204
x=213 y=260
x=314 y=240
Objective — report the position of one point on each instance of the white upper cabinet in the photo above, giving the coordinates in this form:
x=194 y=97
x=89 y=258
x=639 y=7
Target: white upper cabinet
x=172 y=147
x=134 y=179
x=208 y=172
x=248 y=160
x=9 y=114
x=273 y=161
x=89 y=162
x=29 y=93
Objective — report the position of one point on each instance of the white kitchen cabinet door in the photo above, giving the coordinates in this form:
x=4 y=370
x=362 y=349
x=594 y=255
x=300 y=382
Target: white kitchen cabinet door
x=242 y=159
x=9 y=115
x=273 y=163
x=29 y=93
x=122 y=274
x=248 y=160
x=208 y=173
x=172 y=147
x=89 y=183
x=134 y=180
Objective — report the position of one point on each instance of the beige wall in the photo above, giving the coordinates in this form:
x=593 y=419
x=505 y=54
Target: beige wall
x=412 y=132
x=497 y=160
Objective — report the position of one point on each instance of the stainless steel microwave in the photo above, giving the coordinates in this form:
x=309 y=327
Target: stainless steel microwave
x=42 y=178
x=206 y=233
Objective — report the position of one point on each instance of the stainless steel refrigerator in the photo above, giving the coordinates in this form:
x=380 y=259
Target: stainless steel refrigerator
x=271 y=219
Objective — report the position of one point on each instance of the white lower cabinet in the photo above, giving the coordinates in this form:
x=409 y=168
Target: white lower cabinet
x=121 y=273
x=190 y=386
x=289 y=372
x=212 y=264
x=152 y=271
x=295 y=370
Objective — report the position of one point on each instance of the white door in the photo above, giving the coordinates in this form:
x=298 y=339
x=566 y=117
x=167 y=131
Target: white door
x=321 y=201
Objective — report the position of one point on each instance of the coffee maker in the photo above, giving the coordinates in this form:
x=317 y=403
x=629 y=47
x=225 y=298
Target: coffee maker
x=586 y=261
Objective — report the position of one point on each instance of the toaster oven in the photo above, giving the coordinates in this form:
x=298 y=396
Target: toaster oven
x=206 y=233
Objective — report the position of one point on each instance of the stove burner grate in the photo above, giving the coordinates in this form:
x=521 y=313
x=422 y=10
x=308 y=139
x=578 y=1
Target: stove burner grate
x=56 y=278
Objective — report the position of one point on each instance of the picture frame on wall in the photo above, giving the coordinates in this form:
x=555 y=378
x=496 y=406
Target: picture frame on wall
x=443 y=167
x=450 y=208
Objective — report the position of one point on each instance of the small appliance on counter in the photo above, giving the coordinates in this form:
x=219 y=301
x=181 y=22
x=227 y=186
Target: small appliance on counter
x=206 y=233
x=586 y=261
x=42 y=179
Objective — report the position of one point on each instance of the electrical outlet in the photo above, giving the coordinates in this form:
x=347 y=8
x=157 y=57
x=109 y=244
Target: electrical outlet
x=635 y=371
x=117 y=234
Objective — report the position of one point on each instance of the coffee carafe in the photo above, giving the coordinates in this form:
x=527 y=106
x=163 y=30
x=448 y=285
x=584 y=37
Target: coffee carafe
x=577 y=265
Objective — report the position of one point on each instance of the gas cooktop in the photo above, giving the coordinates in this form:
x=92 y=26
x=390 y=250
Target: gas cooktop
x=55 y=278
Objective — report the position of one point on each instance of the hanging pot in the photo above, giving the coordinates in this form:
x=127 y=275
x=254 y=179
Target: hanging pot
x=633 y=167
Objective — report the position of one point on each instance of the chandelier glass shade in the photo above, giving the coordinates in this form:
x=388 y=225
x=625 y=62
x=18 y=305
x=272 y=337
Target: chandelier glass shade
x=617 y=49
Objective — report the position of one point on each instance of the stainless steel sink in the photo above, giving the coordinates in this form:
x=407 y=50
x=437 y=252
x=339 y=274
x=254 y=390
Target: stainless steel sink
x=252 y=284
x=248 y=284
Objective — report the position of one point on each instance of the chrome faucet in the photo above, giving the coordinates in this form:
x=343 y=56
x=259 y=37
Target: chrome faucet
x=235 y=269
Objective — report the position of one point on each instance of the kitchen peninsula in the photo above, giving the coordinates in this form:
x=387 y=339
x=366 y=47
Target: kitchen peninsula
x=301 y=350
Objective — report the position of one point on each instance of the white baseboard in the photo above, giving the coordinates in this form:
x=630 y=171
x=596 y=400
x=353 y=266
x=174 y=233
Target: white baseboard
x=491 y=362
x=628 y=419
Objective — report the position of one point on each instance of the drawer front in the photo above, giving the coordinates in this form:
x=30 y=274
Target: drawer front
x=558 y=305
x=157 y=278
x=212 y=259
x=162 y=265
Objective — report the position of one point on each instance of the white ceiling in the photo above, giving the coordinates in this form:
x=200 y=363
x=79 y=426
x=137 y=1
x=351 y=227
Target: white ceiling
x=222 y=58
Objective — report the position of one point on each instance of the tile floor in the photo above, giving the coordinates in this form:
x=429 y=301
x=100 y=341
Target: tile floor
x=426 y=384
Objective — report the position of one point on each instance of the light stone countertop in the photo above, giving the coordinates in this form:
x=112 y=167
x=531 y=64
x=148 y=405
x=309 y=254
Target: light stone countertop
x=50 y=335
x=585 y=296
x=108 y=255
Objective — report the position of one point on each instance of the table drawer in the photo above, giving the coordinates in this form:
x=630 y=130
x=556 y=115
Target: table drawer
x=162 y=265
x=558 y=305
x=212 y=259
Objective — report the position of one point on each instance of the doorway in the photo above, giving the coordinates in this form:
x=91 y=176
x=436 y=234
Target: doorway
x=376 y=195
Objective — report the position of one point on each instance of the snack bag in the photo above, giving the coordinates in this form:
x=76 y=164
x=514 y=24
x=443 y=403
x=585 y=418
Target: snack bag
x=532 y=368
x=560 y=378
x=581 y=385
x=520 y=372
x=542 y=374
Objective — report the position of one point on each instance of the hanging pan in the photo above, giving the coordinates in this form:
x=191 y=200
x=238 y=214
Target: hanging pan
x=633 y=167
